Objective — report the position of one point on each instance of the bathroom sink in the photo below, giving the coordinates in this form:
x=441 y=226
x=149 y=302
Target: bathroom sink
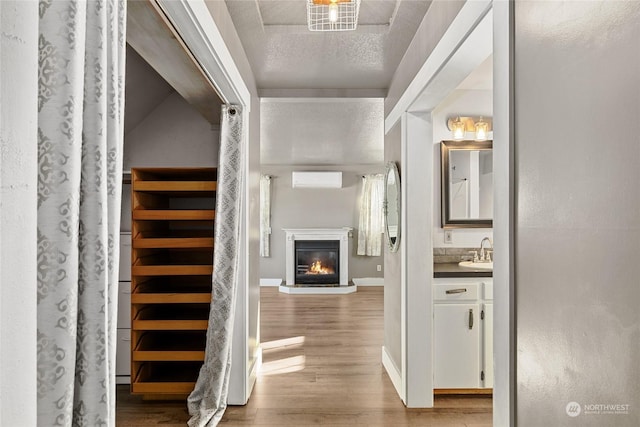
x=476 y=265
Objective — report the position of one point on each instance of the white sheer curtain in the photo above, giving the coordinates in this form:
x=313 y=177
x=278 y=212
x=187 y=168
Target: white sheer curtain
x=265 y=214
x=371 y=224
x=208 y=401
x=80 y=137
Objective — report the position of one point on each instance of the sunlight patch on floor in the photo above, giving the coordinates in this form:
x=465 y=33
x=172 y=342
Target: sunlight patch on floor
x=281 y=344
x=283 y=366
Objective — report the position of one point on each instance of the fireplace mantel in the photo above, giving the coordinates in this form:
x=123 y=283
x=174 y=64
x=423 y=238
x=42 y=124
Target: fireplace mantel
x=341 y=234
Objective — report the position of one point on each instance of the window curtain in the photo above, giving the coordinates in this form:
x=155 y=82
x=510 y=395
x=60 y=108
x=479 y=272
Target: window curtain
x=80 y=137
x=265 y=215
x=371 y=223
x=208 y=400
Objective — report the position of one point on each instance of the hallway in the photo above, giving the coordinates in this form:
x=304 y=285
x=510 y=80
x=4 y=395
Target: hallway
x=321 y=366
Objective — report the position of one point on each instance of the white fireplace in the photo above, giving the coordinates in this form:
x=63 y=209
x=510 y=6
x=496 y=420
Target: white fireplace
x=324 y=238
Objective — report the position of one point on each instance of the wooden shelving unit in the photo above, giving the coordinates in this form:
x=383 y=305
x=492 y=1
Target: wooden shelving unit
x=171 y=265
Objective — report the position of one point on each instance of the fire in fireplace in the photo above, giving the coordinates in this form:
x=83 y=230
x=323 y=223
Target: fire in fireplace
x=317 y=262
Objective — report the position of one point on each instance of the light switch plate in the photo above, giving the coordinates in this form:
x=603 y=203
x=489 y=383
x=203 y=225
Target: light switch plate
x=448 y=236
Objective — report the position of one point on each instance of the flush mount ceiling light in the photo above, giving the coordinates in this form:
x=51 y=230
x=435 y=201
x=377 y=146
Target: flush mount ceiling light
x=480 y=126
x=332 y=15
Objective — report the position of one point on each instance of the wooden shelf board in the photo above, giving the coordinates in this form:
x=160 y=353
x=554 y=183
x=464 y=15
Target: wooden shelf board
x=161 y=298
x=163 y=387
x=175 y=186
x=174 y=214
x=169 y=325
x=173 y=242
x=167 y=355
x=171 y=270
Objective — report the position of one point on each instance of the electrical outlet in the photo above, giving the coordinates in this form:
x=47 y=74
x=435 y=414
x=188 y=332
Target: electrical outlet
x=379 y=267
x=448 y=236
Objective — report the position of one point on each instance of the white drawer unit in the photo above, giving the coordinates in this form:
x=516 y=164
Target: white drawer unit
x=123 y=356
x=123 y=344
x=458 y=291
x=124 y=274
x=463 y=333
x=124 y=305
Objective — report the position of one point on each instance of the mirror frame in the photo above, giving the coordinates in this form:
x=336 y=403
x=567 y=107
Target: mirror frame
x=445 y=147
x=392 y=169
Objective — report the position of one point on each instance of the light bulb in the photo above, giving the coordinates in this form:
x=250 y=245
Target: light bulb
x=482 y=128
x=333 y=12
x=458 y=128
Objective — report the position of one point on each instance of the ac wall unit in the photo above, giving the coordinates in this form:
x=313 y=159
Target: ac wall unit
x=316 y=179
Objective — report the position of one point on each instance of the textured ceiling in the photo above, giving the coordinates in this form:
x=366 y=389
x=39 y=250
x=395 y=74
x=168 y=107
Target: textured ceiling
x=322 y=131
x=284 y=54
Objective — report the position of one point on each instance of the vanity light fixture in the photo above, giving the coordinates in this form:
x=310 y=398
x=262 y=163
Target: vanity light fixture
x=332 y=15
x=460 y=125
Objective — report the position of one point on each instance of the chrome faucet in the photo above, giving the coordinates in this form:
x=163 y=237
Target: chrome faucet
x=486 y=258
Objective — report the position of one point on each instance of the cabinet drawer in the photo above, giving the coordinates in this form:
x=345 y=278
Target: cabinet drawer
x=124 y=305
x=456 y=291
x=123 y=352
x=124 y=274
x=488 y=290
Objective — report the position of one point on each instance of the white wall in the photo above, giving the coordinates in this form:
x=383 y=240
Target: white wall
x=322 y=131
x=174 y=134
x=463 y=103
x=392 y=267
x=316 y=208
x=18 y=212
x=577 y=104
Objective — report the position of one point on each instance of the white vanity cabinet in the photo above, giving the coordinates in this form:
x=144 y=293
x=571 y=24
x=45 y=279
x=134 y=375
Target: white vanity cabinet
x=462 y=338
x=123 y=345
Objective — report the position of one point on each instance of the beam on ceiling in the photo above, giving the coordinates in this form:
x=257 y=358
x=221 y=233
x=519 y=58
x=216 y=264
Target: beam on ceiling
x=155 y=40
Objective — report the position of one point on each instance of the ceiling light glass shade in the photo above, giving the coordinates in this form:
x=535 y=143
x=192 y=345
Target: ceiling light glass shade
x=458 y=128
x=330 y=15
x=333 y=12
x=482 y=130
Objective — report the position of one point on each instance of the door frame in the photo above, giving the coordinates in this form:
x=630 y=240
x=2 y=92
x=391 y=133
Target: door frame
x=429 y=78
x=193 y=21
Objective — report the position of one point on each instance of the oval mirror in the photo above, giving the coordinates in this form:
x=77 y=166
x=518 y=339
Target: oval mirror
x=392 y=206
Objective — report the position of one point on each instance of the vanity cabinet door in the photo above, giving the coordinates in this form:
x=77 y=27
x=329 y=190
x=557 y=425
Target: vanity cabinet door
x=457 y=345
x=487 y=325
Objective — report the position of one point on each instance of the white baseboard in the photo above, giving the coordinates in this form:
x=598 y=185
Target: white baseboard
x=368 y=281
x=393 y=372
x=270 y=282
x=123 y=379
x=253 y=373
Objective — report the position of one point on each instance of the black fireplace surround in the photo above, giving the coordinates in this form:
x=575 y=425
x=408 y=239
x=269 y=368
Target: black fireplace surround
x=317 y=262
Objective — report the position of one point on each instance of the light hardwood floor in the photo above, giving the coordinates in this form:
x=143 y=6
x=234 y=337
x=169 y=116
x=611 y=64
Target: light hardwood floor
x=321 y=366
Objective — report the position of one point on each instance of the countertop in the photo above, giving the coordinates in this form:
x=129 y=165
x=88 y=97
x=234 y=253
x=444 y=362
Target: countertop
x=452 y=269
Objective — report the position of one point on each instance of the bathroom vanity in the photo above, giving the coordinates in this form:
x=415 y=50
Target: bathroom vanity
x=462 y=330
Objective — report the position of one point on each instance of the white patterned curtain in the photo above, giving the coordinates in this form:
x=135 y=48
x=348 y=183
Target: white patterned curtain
x=208 y=400
x=80 y=136
x=265 y=214
x=371 y=224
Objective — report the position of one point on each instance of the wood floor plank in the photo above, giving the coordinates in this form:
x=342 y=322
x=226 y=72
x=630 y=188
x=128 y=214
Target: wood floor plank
x=321 y=366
